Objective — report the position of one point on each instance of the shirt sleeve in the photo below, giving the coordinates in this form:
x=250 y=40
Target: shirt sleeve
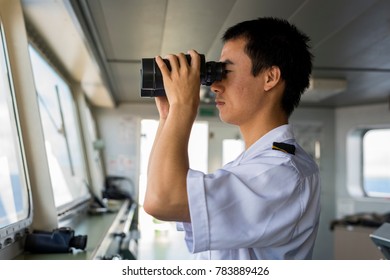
x=243 y=206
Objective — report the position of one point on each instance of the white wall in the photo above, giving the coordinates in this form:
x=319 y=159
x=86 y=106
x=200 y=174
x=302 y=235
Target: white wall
x=120 y=130
x=324 y=118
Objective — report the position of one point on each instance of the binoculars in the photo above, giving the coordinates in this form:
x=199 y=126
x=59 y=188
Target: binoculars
x=152 y=82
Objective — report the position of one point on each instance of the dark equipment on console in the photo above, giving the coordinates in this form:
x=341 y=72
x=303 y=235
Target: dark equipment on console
x=152 y=82
x=60 y=240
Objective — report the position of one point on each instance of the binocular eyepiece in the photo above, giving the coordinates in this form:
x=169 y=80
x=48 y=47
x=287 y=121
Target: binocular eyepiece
x=152 y=82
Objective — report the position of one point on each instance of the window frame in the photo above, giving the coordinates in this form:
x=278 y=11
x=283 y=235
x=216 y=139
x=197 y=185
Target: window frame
x=363 y=163
x=67 y=210
x=14 y=232
x=355 y=162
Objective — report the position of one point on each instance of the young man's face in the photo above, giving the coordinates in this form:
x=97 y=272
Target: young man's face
x=239 y=96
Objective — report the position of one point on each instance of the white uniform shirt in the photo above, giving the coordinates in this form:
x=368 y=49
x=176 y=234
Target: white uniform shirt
x=263 y=205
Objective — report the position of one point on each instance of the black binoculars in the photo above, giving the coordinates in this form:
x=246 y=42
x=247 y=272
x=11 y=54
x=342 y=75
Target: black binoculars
x=152 y=82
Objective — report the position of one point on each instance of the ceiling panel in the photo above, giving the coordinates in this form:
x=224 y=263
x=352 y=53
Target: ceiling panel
x=321 y=20
x=190 y=26
x=129 y=29
x=251 y=9
x=350 y=45
x=127 y=78
x=350 y=38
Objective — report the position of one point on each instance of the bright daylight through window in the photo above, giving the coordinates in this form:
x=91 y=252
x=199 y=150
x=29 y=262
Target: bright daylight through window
x=376 y=163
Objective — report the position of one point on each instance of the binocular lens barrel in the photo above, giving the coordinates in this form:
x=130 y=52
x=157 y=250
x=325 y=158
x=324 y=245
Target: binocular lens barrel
x=151 y=78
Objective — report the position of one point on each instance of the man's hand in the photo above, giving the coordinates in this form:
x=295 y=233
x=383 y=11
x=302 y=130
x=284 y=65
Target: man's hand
x=182 y=82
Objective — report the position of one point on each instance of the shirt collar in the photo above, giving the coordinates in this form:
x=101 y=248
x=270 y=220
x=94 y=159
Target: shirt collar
x=279 y=134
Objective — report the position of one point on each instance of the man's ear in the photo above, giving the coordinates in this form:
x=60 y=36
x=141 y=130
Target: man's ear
x=272 y=77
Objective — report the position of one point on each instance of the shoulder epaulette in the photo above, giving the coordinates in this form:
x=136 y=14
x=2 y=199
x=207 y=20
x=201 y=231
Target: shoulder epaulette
x=283 y=147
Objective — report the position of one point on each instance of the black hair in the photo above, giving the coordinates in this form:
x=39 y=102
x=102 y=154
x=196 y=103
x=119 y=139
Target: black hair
x=276 y=42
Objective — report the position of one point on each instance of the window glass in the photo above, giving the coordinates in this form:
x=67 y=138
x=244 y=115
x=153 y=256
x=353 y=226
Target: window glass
x=60 y=127
x=14 y=195
x=197 y=148
x=150 y=227
x=231 y=149
x=376 y=163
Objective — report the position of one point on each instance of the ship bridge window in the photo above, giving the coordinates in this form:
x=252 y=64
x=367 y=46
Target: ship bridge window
x=368 y=162
x=15 y=202
x=62 y=135
x=376 y=163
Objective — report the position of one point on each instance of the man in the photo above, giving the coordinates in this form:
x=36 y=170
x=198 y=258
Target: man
x=264 y=204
